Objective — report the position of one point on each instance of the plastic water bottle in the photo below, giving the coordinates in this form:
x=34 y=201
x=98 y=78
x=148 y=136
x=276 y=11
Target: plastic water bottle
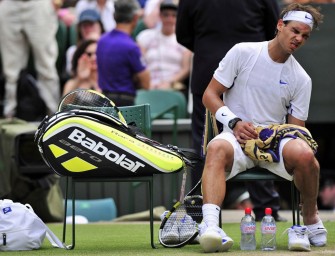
x=248 y=229
x=268 y=229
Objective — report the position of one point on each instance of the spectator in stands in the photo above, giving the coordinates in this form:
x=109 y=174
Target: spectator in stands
x=167 y=60
x=89 y=27
x=327 y=193
x=84 y=68
x=120 y=67
x=104 y=7
x=28 y=25
x=327 y=188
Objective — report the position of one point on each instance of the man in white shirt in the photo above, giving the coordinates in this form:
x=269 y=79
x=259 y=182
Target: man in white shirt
x=263 y=84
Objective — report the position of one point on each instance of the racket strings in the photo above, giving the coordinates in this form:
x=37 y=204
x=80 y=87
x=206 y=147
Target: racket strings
x=85 y=98
x=90 y=100
x=193 y=207
x=179 y=227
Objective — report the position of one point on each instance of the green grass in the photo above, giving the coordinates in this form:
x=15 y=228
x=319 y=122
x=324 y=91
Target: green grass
x=134 y=239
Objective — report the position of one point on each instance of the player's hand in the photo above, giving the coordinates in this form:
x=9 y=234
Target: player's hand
x=244 y=131
x=84 y=67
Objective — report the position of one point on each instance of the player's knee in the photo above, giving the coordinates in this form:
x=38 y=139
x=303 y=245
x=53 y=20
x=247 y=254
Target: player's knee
x=300 y=153
x=308 y=162
x=220 y=152
x=218 y=147
x=213 y=147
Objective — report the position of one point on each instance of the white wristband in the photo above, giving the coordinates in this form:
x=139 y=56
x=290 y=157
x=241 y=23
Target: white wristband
x=224 y=115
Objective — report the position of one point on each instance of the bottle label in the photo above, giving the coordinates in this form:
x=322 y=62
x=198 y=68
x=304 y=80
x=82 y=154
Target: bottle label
x=269 y=229
x=248 y=228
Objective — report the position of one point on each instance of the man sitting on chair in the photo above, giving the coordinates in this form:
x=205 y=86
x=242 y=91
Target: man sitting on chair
x=262 y=84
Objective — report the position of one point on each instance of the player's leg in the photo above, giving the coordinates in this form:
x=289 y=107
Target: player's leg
x=300 y=161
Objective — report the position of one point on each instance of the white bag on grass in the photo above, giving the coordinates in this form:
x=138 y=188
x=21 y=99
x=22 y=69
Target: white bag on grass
x=21 y=229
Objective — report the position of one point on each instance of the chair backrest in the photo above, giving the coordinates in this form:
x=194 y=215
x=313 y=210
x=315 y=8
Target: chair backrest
x=139 y=114
x=163 y=102
x=72 y=34
x=210 y=131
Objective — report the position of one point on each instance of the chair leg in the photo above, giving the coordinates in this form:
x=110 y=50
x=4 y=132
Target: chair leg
x=73 y=216
x=65 y=208
x=293 y=202
x=69 y=247
x=151 y=192
x=220 y=219
x=298 y=205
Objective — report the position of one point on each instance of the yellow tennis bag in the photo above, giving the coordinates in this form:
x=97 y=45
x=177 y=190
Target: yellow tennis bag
x=77 y=141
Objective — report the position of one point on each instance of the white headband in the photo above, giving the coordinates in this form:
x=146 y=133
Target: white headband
x=301 y=16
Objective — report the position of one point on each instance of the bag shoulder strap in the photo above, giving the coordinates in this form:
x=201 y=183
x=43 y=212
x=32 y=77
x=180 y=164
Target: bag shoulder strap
x=53 y=239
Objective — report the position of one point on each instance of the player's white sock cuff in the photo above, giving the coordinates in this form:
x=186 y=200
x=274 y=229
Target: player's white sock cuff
x=316 y=225
x=211 y=213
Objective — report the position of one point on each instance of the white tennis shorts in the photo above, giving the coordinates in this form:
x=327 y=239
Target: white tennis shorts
x=243 y=162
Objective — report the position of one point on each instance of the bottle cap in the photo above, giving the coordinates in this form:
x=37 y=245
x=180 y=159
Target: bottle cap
x=247 y=210
x=268 y=211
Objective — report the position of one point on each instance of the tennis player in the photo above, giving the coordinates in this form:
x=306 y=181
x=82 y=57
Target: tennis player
x=263 y=84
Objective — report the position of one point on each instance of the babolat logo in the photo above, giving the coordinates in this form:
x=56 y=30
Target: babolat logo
x=98 y=148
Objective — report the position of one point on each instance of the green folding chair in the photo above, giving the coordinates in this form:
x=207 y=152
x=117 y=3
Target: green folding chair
x=164 y=104
x=140 y=114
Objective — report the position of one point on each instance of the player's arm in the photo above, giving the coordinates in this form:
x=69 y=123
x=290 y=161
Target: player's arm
x=212 y=95
x=292 y=120
x=212 y=100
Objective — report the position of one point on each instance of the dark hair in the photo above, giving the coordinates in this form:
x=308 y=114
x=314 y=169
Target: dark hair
x=125 y=10
x=314 y=11
x=79 y=52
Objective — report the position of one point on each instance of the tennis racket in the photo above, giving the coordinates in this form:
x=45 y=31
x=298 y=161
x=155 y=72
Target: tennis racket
x=180 y=225
x=86 y=99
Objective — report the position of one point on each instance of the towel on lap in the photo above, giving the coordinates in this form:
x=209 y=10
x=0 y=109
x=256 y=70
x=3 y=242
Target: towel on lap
x=266 y=146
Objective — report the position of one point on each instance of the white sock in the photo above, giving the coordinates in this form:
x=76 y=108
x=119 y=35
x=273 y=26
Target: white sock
x=319 y=224
x=211 y=213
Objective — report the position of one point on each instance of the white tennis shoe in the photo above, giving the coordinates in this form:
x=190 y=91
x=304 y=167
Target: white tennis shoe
x=177 y=231
x=170 y=234
x=298 y=238
x=214 y=239
x=187 y=227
